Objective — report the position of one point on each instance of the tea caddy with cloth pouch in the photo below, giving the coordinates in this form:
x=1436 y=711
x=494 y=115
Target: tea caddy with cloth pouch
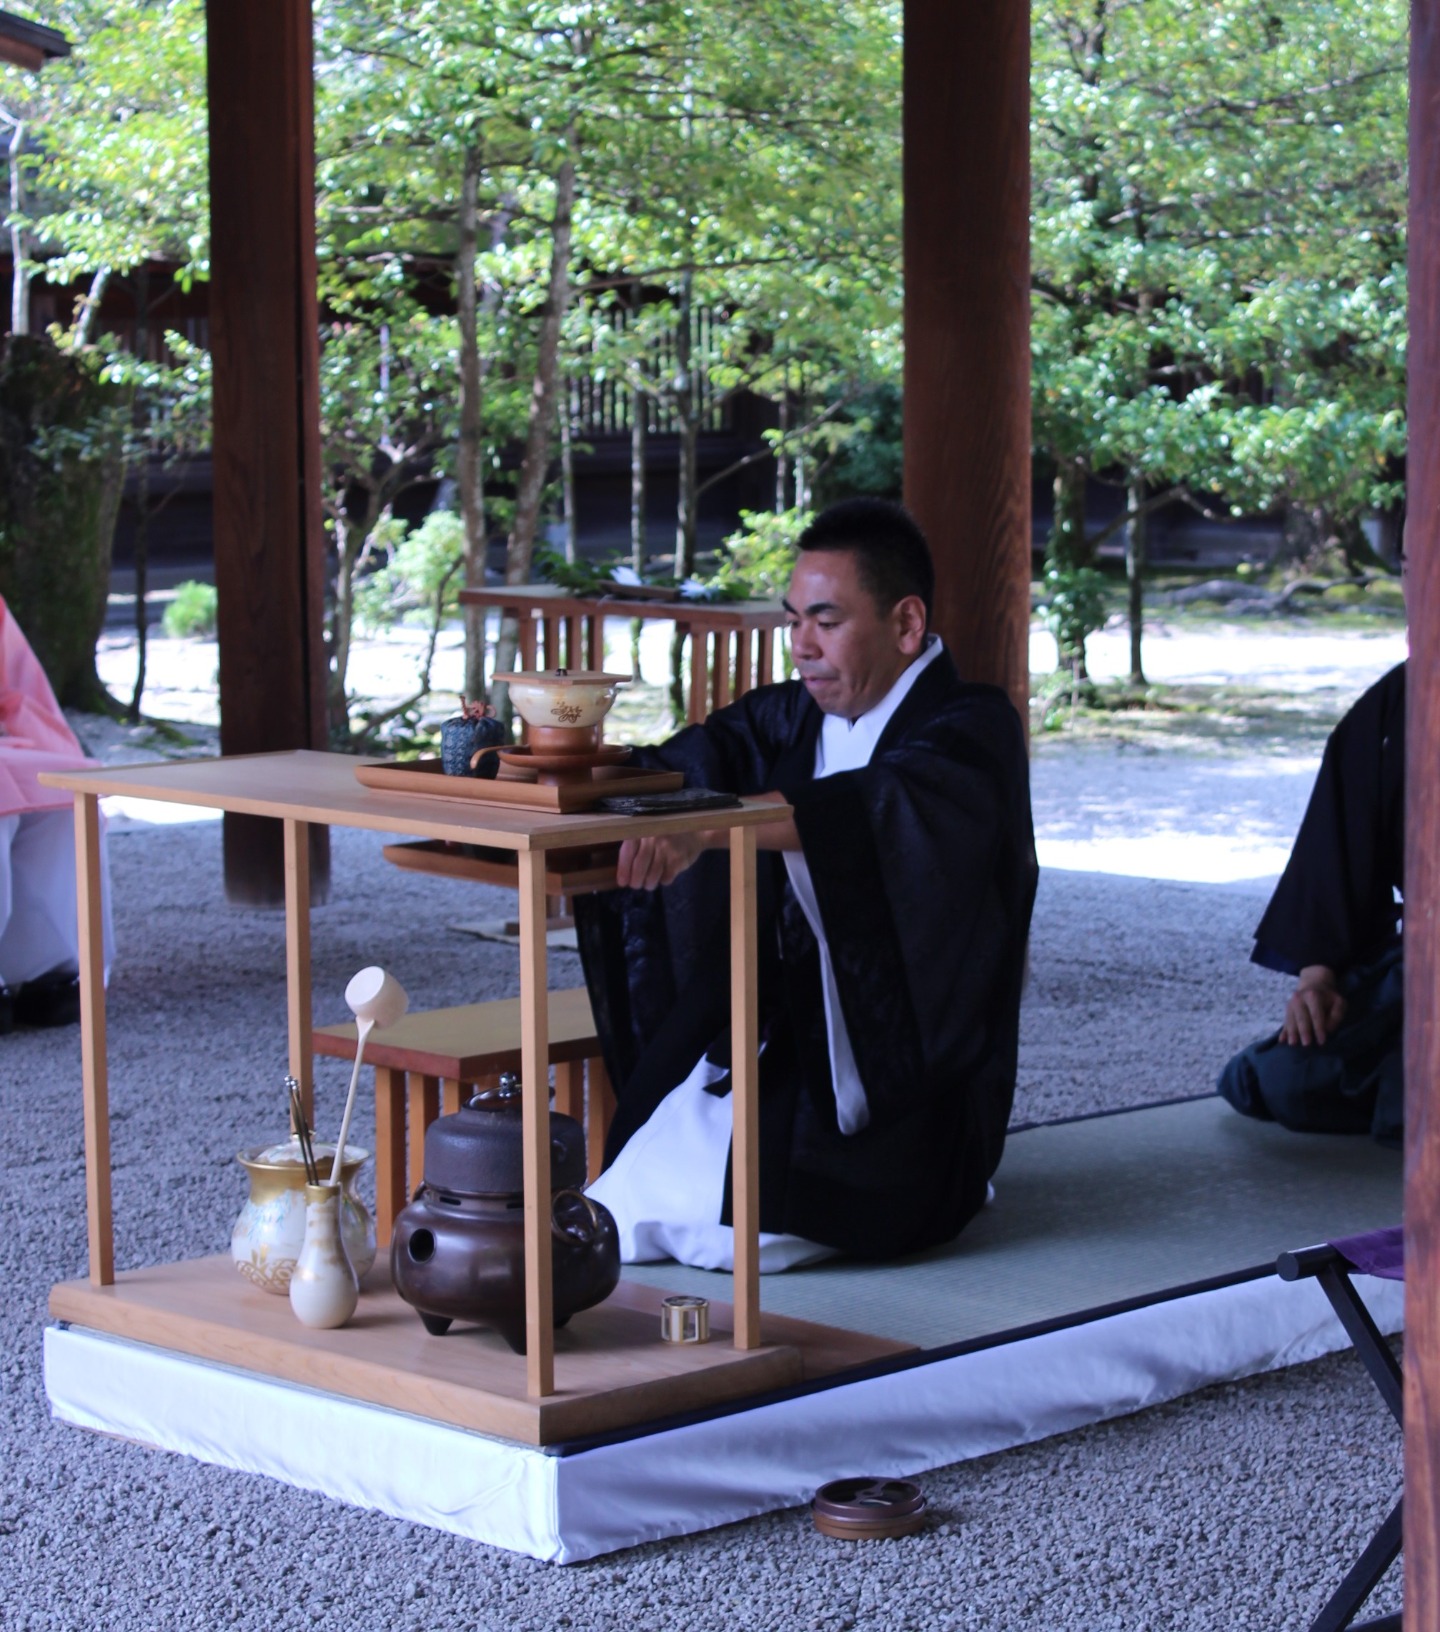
x=458 y=1249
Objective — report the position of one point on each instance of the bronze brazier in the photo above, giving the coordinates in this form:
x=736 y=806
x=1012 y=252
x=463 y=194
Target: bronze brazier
x=458 y=1249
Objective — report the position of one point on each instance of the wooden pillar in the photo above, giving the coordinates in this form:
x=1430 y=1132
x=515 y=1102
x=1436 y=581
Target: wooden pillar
x=269 y=542
x=967 y=324
x=1422 y=843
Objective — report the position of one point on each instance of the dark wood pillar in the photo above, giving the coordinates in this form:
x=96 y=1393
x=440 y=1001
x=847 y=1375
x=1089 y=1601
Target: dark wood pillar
x=1422 y=842
x=967 y=324
x=269 y=543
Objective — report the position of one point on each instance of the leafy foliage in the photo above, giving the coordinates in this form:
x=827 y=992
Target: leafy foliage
x=192 y=611
x=1219 y=254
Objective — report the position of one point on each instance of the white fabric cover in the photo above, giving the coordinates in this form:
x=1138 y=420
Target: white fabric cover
x=571 y=1508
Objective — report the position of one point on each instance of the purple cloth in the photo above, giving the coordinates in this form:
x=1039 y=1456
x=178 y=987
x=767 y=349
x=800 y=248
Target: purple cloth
x=1380 y=1252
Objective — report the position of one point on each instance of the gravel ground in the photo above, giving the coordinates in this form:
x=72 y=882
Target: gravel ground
x=1237 y=1506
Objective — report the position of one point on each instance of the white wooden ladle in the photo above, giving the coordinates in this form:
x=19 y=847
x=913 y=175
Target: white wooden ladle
x=376 y=999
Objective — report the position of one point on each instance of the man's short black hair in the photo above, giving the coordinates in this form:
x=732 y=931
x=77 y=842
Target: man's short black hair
x=890 y=550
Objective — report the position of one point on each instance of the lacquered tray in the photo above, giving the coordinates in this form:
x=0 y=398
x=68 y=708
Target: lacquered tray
x=428 y=776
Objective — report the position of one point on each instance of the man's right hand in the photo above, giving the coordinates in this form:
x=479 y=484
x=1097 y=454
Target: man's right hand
x=1315 y=1009
x=647 y=864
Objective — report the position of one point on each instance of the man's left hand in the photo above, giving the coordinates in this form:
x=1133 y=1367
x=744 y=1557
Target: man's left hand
x=646 y=864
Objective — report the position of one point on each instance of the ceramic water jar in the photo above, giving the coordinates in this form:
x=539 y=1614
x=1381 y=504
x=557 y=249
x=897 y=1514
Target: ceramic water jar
x=270 y=1231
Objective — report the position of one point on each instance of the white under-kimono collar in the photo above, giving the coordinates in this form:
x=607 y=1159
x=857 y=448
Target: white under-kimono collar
x=846 y=745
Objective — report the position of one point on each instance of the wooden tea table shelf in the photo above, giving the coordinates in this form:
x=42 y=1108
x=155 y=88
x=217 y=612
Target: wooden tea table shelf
x=373 y=1355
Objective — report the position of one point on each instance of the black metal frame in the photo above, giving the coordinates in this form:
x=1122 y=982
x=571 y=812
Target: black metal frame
x=1332 y=1271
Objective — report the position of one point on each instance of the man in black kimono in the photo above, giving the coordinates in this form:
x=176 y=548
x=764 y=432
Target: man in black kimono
x=894 y=911
x=1335 y=1065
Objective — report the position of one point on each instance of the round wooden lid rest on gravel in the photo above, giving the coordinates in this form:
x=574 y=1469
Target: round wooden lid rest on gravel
x=868 y=1509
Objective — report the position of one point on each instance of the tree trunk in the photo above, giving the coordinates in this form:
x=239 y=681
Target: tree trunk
x=782 y=459
x=1303 y=536
x=20 y=270
x=90 y=307
x=686 y=528
x=142 y=497
x=1135 y=542
x=567 y=477
x=352 y=535
x=533 y=468
x=142 y=563
x=1068 y=549
x=469 y=477
x=687 y=418
x=639 y=407
x=61 y=475
x=530 y=488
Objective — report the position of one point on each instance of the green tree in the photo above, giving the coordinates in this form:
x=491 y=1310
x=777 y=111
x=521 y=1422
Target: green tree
x=107 y=174
x=559 y=156
x=1218 y=260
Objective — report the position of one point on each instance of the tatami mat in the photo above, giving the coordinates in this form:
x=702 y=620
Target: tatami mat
x=1096 y=1212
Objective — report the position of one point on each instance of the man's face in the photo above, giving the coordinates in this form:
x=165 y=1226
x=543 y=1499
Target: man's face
x=847 y=651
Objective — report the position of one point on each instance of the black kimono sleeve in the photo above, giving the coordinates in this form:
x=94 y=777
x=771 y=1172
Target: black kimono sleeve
x=1335 y=902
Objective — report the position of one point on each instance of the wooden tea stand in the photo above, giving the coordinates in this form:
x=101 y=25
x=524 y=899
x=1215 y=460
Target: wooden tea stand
x=608 y=1369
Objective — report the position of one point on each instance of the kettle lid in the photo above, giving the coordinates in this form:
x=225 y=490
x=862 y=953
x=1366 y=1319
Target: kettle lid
x=479 y=1149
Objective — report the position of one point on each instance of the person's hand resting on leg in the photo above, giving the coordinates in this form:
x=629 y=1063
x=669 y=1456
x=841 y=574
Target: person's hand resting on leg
x=1315 y=1009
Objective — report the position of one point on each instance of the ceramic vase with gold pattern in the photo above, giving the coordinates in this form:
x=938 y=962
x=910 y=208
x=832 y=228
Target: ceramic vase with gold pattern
x=270 y=1230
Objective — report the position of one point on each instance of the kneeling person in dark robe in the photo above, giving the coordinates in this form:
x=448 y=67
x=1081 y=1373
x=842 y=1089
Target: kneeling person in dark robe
x=1336 y=1064
x=894 y=910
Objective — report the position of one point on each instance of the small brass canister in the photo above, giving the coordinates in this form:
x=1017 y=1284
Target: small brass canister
x=685 y=1320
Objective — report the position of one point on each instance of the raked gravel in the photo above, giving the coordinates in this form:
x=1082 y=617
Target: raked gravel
x=1234 y=1508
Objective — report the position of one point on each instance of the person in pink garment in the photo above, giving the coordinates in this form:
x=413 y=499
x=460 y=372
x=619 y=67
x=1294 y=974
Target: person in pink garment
x=39 y=938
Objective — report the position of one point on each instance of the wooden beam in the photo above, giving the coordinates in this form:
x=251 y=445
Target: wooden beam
x=29 y=45
x=269 y=542
x=967 y=324
x=1422 y=842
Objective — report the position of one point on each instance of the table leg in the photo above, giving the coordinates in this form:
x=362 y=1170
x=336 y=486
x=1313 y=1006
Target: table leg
x=599 y=1109
x=95 y=1074
x=570 y=1088
x=424 y=1108
x=297 y=960
x=390 y=1175
x=745 y=1087
x=535 y=1077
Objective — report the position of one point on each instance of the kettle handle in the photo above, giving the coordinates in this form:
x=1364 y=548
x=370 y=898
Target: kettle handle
x=568 y=1233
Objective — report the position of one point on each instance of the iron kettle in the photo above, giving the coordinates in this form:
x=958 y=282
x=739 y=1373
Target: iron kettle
x=458 y=1249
